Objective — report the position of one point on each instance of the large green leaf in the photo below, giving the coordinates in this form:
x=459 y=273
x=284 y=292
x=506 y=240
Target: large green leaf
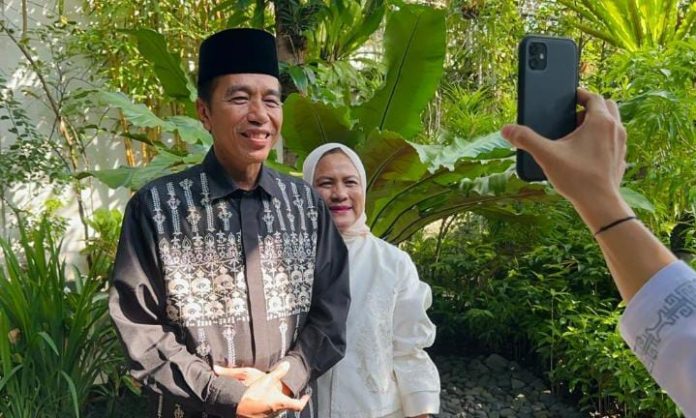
x=345 y=25
x=137 y=114
x=388 y=157
x=636 y=200
x=167 y=66
x=428 y=202
x=135 y=177
x=308 y=124
x=191 y=130
x=403 y=195
x=414 y=44
x=491 y=146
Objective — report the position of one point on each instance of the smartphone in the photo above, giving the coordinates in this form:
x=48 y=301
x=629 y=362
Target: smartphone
x=547 y=81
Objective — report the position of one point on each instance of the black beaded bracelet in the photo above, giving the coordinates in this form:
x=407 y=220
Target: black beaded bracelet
x=613 y=224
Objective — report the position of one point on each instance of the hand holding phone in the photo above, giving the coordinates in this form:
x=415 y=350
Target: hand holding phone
x=546 y=93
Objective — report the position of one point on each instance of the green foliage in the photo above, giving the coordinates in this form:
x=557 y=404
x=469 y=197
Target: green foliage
x=167 y=66
x=168 y=158
x=468 y=114
x=339 y=83
x=414 y=68
x=482 y=39
x=410 y=185
x=243 y=13
x=309 y=124
x=101 y=247
x=409 y=188
x=30 y=157
x=659 y=109
x=632 y=24
x=57 y=338
x=552 y=302
x=344 y=26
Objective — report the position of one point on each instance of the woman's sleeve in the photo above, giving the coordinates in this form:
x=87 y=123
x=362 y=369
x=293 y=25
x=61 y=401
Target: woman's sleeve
x=660 y=327
x=416 y=375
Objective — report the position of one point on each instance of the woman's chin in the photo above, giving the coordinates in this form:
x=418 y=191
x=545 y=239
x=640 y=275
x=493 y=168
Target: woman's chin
x=343 y=222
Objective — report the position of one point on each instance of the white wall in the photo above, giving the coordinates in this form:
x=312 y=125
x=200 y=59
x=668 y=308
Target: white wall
x=104 y=152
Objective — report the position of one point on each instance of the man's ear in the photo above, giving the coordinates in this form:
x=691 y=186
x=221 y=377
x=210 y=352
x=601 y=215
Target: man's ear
x=203 y=113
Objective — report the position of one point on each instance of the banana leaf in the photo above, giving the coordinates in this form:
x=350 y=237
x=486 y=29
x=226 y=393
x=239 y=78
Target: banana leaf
x=414 y=68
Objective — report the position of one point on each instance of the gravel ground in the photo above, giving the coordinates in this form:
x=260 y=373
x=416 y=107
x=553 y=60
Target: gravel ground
x=492 y=387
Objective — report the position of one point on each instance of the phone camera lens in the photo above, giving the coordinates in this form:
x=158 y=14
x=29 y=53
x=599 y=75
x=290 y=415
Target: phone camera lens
x=534 y=63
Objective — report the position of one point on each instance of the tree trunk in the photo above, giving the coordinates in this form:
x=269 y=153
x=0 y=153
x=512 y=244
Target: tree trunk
x=291 y=46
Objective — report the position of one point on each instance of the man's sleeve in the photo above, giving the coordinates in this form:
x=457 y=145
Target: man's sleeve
x=137 y=303
x=659 y=325
x=321 y=343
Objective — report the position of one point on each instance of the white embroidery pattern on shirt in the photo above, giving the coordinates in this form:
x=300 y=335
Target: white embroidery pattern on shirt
x=288 y=208
x=276 y=204
x=205 y=201
x=376 y=353
x=159 y=217
x=287 y=264
x=204 y=276
x=679 y=304
x=268 y=216
x=283 y=329
x=312 y=213
x=228 y=334
x=224 y=215
x=297 y=200
x=178 y=412
x=203 y=348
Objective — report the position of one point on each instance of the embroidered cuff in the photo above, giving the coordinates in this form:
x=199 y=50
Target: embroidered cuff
x=666 y=299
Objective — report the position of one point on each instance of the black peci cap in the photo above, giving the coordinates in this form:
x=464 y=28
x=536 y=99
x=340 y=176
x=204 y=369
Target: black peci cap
x=237 y=51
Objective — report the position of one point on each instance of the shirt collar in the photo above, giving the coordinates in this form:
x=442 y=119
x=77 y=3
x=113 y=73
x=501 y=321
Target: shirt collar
x=222 y=184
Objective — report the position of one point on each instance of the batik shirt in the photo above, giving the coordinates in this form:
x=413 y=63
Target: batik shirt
x=207 y=273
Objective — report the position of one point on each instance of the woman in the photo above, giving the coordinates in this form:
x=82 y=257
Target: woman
x=385 y=372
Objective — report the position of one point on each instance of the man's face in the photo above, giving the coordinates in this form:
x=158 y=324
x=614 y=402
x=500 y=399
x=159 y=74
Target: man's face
x=245 y=116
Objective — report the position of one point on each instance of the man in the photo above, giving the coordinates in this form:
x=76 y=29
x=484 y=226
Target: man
x=586 y=167
x=229 y=269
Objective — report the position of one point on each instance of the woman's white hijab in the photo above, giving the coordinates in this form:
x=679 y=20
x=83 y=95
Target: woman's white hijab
x=359 y=228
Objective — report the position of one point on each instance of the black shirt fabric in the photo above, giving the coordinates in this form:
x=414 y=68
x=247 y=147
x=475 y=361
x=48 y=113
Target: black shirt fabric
x=208 y=273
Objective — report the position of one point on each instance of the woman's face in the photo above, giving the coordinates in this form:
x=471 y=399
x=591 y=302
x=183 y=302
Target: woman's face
x=338 y=182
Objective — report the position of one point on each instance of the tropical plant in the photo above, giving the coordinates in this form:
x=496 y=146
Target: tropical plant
x=58 y=343
x=409 y=185
x=652 y=73
x=482 y=41
x=632 y=24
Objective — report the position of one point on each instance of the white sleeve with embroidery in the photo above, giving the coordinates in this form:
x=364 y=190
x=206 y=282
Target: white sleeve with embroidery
x=660 y=327
x=416 y=375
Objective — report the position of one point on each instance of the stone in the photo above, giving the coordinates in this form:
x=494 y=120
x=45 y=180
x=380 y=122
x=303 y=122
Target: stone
x=496 y=362
x=492 y=387
x=507 y=412
x=517 y=384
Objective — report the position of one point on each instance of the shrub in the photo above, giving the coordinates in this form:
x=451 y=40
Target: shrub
x=56 y=340
x=548 y=300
